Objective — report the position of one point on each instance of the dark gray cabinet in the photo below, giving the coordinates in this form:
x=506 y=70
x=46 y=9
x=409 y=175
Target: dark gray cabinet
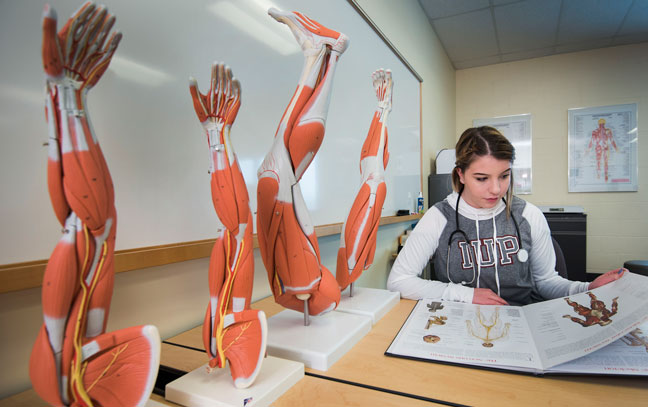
x=570 y=231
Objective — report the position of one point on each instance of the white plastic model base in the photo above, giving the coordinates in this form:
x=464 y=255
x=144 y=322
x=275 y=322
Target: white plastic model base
x=199 y=388
x=319 y=345
x=153 y=403
x=371 y=302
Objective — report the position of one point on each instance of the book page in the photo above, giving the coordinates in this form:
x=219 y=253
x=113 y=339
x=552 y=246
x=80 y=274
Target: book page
x=486 y=335
x=568 y=328
x=626 y=356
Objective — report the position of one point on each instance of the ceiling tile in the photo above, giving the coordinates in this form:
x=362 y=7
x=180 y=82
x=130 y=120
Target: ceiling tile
x=527 y=25
x=584 y=20
x=467 y=36
x=444 y=8
x=583 y=46
x=532 y=28
x=637 y=19
x=527 y=54
x=471 y=63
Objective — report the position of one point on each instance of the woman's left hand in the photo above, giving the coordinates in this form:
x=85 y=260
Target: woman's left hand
x=607 y=278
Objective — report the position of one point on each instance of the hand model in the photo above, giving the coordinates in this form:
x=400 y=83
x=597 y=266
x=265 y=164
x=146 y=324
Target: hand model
x=231 y=330
x=73 y=362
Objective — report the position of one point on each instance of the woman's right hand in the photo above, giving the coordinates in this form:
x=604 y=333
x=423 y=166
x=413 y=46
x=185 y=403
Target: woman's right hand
x=486 y=296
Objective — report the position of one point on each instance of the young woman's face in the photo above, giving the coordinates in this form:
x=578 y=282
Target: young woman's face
x=486 y=181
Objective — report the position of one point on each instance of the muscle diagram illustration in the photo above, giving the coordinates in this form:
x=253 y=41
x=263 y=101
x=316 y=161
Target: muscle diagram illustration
x=74 y=362
x=231 y=330
x=434 y=306
x=286 y=234
x=597 y=314
x=601 y=141
x=358 y=236
x=488 y=330
x=636 y=338
x=434 y=320
x=431 y=338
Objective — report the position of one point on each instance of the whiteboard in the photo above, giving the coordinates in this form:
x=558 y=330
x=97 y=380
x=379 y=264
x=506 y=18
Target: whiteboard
x=154 y=145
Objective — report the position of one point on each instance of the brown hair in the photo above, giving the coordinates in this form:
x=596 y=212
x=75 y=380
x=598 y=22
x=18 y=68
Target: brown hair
x=478 y=142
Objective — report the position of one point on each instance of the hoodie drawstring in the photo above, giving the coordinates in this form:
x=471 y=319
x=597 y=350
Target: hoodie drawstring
x=479 y=252
x=493 y=249
x=497 y=282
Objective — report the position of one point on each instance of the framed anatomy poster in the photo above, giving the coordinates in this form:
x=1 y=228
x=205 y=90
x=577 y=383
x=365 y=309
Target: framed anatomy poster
x=602 y=143
x=517 y=129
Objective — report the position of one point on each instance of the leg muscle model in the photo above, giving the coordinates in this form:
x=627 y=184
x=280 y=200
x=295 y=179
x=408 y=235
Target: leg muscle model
x=358 y=237
x=286 y=235
x=73 y=361
x=231 y=329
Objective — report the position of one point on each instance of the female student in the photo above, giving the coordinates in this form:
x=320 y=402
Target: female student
x=488 y=246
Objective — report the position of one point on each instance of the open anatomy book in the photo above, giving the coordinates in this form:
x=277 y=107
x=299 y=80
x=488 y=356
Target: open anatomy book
x=602 y=331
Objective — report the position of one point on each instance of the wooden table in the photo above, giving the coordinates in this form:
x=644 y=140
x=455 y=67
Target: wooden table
x=365 y=376
x=366 y=365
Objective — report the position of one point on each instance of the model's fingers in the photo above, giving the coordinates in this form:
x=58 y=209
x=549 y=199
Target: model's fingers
x=219 y=94
x=236 y=102
x=67 y=33
x=83 y=34
x=51 y=52
x=81 y=18
x=198 y=101
x=104 y=30
x=89 y=43
x=96 y=23
x=99 y=68
x=228 y=82
x=213 y=87
x=75 y=30
x=236 y=88
x=113 y=43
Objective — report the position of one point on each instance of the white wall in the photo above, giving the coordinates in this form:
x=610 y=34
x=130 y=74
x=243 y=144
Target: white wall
x=174 y=297
x=617 y=225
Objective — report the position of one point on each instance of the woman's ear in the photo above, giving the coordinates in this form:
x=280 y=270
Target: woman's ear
x=461 y=175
